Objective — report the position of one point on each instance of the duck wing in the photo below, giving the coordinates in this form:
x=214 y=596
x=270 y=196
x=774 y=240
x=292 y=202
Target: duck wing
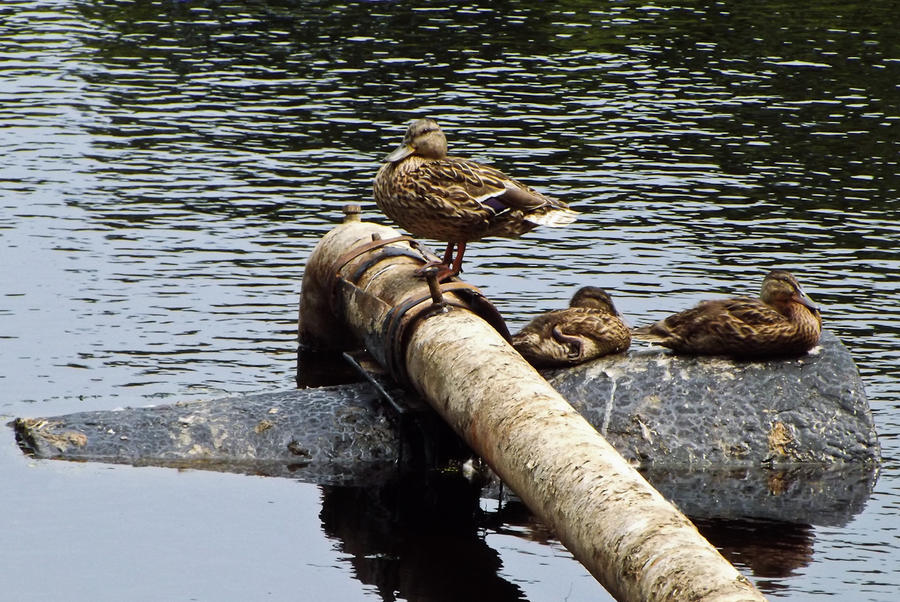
x=464 y=180
x=740 y=327
x=719 y=317
x=597 y=333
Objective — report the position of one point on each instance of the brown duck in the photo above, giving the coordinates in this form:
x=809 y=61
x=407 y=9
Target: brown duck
x=589 y=328
x=782 y=322
x=454 y=200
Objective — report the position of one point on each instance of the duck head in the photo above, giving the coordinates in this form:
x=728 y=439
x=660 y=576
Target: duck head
x=594 y=298
x=424 y=138
x=781 y=288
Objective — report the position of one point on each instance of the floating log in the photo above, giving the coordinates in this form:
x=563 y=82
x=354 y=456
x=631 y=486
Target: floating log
x=329 y=435
x=347 y=435
x=666 y=414
x=633 y=540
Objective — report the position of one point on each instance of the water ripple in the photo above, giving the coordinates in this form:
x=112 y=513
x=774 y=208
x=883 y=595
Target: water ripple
x=168 y=166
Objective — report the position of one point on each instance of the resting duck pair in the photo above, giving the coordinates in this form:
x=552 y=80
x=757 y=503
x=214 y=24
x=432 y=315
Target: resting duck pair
x=782 y=322
x=454 y=200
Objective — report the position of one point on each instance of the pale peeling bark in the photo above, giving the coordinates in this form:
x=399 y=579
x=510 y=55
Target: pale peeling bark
x=629 y=537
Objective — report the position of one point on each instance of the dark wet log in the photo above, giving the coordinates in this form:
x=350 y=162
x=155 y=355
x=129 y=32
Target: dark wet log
x=327 y=435
x=345 y=435
x=664 y=410
x=702 y=414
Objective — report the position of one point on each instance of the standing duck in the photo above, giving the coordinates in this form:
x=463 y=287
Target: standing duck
x=454 y=200
x=589 y=328
x=782 y=322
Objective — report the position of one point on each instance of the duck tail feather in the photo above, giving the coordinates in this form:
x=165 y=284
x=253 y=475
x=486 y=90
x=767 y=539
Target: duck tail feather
x=554 y=217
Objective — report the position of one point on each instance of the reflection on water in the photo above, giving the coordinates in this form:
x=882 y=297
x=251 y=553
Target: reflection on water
x=414 y=538
x=169 y=165
x=417 y=539
x=772 y=550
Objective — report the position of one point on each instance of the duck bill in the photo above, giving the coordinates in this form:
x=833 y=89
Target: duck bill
x=403 y=151
x=800 y=297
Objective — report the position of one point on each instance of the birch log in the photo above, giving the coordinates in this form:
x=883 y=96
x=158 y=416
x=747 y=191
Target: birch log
x=626 y=534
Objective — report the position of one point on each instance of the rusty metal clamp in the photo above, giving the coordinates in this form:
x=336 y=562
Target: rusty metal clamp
x=355 y=252
x=413 y=251
x=400 y=321
x=400 y=318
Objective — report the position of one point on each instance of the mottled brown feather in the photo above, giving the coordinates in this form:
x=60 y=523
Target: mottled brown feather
x=584 y=331
x=455 y=200
x=783 y=322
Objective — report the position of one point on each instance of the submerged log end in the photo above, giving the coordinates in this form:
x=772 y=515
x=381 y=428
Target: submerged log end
x=47 y=438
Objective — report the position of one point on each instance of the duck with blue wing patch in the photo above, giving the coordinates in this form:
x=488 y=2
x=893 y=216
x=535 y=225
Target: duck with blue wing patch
x=455 y=200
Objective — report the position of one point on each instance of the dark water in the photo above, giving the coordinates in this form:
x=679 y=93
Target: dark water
x=167 y=167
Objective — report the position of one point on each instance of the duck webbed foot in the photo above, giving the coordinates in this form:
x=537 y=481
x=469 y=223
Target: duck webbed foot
x=573 y=343
x=449 y=266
